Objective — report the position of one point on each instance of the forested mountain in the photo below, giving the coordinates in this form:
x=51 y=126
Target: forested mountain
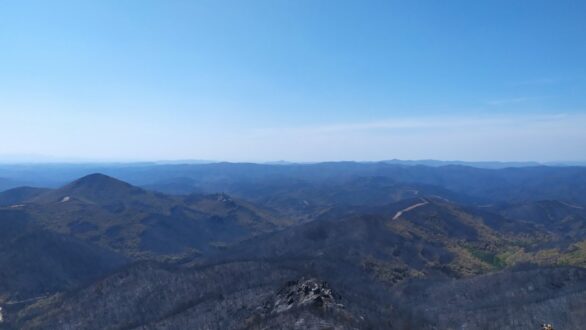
x=337 y=245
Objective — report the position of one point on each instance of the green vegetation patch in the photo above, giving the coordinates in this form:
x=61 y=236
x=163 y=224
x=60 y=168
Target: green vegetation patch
x=487 y=257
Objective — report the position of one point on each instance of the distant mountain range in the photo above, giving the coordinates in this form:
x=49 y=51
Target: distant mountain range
x=338 y=245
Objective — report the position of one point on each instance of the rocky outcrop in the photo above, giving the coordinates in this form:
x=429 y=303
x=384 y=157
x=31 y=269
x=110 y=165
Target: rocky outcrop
x=302 y=293
x=304 y=304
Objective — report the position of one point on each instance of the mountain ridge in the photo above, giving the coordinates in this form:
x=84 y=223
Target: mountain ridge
x=389 y=243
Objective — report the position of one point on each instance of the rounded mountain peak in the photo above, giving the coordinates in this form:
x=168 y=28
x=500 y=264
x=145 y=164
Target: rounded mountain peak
x=98 y=180
x=95 y=188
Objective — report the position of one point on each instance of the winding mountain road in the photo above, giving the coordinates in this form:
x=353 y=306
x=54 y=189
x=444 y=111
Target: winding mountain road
x=407 y=209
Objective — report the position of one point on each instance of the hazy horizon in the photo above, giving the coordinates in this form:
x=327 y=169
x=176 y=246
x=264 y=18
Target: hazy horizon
x=49 y=160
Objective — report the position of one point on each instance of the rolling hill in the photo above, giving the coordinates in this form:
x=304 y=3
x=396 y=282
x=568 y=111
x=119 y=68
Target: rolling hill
x=58 y=239
x=136 y=222
x=364 y=246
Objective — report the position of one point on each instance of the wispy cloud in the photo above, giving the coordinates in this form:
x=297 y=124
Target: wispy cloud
x=540 y=137
x=405 y=123
x=535 y=82
x=509 y=101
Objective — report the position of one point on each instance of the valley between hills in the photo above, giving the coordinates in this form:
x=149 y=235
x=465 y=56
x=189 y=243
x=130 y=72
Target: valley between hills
x=314 y=246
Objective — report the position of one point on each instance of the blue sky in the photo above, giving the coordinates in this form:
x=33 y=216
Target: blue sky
x=292 y=80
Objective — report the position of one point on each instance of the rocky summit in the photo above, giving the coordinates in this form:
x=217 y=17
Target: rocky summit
x=304 y=304
x=302 y=293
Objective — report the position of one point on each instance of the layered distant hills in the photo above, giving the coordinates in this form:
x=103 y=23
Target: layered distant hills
x=338 y=245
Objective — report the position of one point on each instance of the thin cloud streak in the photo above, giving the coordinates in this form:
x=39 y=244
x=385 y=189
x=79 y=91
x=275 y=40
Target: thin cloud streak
x=510 y=101
x=536 y=82
x=418 y=123
x=505 y=138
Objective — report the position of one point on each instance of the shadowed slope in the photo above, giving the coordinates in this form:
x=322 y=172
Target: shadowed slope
x=17 y=196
